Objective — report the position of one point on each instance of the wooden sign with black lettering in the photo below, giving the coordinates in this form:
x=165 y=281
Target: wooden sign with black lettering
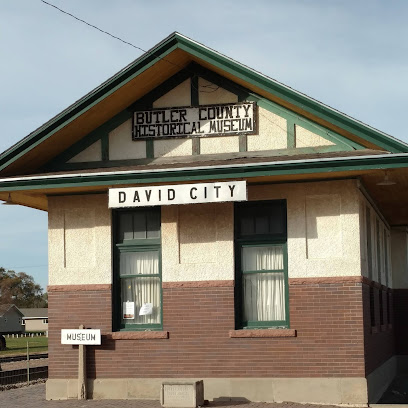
x=206 y=120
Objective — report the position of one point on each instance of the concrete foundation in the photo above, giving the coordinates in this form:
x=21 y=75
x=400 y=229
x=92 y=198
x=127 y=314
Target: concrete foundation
x=338 y=391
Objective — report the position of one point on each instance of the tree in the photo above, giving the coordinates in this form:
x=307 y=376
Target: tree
x=20 y=289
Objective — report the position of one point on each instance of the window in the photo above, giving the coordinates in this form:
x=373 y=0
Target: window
x=45 y=321
x=372 y=307
x=381 y=307
x=389 y=302
x=261 y=265
x=137 y=277
x=369 y=247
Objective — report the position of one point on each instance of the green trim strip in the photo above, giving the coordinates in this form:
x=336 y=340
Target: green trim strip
x=98 y=134
x=292 y=117
x=211 y=173
x=87 y=102
x=150 y=148
x=160 y=51
x=196 y=151
x=194 y=91
x=291 y=133
x=341 y=143
x=196 y=145
x=289 y=95
x=243 y=143
x=295 y=119
x=105 y=147
x=146 y=101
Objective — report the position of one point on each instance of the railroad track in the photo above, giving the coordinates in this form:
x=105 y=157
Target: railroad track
x=11 y=359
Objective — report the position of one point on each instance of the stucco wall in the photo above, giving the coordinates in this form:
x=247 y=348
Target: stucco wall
x=323 y=233
x=121 y=145
x=323 y=226
x=173 y=147
x=178 y=96
x=271 y=132
x=209 y=94
x=90 y=154
x=79 y=240
x=197 y=240
x=306 y=138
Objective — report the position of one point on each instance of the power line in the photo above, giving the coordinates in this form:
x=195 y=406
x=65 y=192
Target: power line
x=109 y=34
x=212 y=87
x=93 y=26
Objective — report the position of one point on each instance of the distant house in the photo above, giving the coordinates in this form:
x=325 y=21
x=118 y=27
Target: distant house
x=11 y=319
x=35 y=319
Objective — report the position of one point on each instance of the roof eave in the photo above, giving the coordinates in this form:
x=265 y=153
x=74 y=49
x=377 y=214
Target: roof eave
x=176 y=40
x=219 y=172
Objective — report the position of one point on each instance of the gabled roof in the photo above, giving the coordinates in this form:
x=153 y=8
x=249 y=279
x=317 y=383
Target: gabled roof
x=6 y=307
x=155 y=66
x=35 y=312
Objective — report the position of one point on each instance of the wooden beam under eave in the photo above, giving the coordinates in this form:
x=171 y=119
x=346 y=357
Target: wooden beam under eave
x=100 y=113
x=294 y=108
x=36 y=201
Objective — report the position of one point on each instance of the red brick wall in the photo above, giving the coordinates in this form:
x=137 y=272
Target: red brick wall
x=328 y=318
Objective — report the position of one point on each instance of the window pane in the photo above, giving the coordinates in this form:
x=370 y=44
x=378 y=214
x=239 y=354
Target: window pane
x=139 y=221
x=138 y=263
x=262 y=224
x=261 y=219
x=247 y=226
x=140 y=300
x=265 y=258
x=125 y=227
x=264 y=297
x=277 y=221
x=153 y=224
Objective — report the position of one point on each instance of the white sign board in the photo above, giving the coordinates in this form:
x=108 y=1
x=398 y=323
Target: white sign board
x=81 y=336
x=128 y=310
x=178 y=194
x=146 y=309
x=205 y=120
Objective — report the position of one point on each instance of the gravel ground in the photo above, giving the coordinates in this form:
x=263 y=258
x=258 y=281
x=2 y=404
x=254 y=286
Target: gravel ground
x=17 y=365
x=34 y=397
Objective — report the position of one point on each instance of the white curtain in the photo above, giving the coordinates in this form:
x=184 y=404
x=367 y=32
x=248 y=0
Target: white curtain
x=139 y=263
x=139 y=291
x=264 y=293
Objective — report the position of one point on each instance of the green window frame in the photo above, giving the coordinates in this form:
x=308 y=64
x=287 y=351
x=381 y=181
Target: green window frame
x=261 y=227
x=137 y=247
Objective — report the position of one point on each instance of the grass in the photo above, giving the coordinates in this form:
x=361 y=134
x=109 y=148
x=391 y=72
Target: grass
x=18 y=346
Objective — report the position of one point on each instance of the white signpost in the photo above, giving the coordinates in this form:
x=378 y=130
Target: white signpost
x=178 y=194
x=81 y=337
x=84 y=336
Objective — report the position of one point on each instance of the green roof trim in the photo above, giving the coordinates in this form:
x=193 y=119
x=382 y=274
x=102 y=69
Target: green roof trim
x=249 y=75
x=222 y=172
x=294 y=97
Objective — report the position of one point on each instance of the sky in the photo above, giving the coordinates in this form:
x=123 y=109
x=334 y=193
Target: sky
x=349 y=54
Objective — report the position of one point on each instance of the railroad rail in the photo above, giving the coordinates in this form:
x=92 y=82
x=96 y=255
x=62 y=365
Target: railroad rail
x=11 y=359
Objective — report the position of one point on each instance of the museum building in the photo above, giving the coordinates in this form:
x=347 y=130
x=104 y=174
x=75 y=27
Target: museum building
x=216 y=224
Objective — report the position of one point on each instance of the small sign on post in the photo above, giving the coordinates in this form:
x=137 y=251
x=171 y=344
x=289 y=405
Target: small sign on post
x=81 y=337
